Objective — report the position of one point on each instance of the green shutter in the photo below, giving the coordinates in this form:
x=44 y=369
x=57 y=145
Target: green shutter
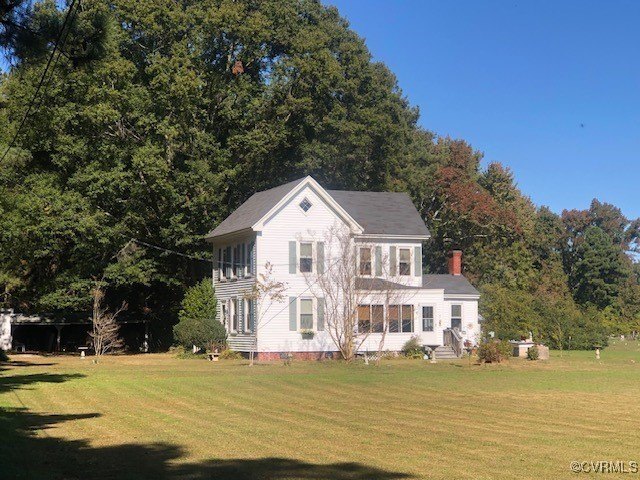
x=320 y=255
x=293 y=314
x=293 y=258
x=417 y=261
x=393 y=263
x=320 y=314
x=378 y=261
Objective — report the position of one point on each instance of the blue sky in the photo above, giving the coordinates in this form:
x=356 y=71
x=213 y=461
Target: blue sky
x=548 y=88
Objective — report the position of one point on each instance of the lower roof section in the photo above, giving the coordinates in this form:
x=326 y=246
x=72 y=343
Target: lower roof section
x=451 y=284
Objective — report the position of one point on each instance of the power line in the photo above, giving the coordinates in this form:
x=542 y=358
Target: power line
x=56 y=45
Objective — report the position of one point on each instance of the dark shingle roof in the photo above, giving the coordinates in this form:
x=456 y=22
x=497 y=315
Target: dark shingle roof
x=386 y=213
x=253 y=209
x=366 y=283
x=452 y=284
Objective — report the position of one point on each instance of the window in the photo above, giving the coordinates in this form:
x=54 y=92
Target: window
x=220 y=264
x=427 y=319
x=365 y=261
x=456 y=316
x=407 y=318
x=226 y=259
x=247 y=315
x=243 y=259
x=405 y=261
x=377 y=318
x=394 y=318
x=250 y=254
x=225 y=316
x=236 y=261
x=234 y=315
x=306 y=257
x=305 y=205
x=364 y=318
x=306 y=313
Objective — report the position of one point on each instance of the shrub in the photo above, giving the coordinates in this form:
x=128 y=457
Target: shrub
x=229 y=354
x=3 y=356
x=412 y=348
x=533 y=353
x=197 y=318
x=494 y=351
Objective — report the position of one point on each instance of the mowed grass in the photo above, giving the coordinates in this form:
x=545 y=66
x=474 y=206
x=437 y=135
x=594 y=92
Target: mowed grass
x=155 y=416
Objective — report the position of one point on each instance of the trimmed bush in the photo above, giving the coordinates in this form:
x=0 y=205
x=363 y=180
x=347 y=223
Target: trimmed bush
x=412 y=348
x=229 y=354
x=494 y=351
x=533 y=353
x=197 y=319
x=3 y=356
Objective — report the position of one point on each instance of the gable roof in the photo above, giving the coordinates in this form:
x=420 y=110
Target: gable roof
x=253 y=209
x=378 y=213
x=385 y=213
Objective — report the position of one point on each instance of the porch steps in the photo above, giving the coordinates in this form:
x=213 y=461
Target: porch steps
x=445 y=353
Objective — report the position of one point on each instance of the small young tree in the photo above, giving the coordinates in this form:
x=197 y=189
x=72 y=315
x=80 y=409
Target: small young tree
x=197 y=323
x=265 y=288
x=105 y=330
x=344 y=289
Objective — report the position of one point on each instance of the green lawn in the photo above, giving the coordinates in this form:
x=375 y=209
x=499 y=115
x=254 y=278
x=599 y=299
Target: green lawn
x=154 y=416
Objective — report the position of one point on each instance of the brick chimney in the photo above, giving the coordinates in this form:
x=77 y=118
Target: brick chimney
x=455 y=262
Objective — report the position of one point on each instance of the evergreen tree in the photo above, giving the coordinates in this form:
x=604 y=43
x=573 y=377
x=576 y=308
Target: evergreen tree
x=599 y=270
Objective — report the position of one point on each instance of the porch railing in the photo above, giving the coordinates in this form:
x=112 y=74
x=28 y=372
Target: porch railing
x=453 y=338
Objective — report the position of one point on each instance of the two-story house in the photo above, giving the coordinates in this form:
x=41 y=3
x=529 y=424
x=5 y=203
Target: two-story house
x=288 y=227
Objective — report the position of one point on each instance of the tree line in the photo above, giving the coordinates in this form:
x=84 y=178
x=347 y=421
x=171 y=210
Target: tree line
x=159 y=118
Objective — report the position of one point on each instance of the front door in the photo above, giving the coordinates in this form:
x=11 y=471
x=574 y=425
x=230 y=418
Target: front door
x=456 y=323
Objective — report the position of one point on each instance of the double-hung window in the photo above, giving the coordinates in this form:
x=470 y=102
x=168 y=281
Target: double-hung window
x=377 y=318
x=370 y=318
x=394 y=318
x=427 y=318
x=234 y=315
x=306 y=257
x=236 y=261
x=407 y=318
x=226 y=259
x=306 y=314
x=365 y=261
x=247 y=314
x=456 y=316
x=400 y=318
x=364 y=318
x=221 y=269
x=405 y=261
x=225 y=316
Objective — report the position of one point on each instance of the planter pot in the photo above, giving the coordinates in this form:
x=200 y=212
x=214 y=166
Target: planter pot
x=307 y=336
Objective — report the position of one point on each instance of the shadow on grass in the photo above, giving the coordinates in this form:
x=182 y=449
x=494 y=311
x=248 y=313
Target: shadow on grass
x=13 y=382
x=30 y=450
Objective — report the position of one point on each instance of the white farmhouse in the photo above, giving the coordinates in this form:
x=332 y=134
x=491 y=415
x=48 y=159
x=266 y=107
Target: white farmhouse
x=293 y=228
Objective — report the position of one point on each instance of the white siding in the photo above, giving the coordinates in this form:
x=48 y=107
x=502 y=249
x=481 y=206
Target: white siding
x=291 y=224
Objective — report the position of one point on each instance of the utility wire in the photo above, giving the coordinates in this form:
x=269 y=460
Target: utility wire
x=56 y=45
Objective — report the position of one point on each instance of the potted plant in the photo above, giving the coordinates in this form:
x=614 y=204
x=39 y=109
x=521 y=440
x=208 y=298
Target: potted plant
x=307 y=333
